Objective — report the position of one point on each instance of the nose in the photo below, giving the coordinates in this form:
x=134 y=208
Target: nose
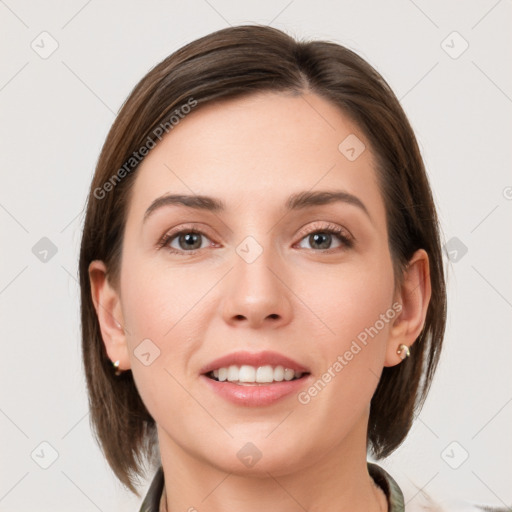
x=256 y=293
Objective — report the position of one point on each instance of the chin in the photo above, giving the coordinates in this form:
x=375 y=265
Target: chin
x=258 y=458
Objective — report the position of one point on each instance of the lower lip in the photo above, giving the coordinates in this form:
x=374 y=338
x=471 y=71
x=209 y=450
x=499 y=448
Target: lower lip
x=257 y=395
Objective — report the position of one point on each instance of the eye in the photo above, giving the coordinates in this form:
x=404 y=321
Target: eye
x=321 y=238
x=190 y=240
x=186 y=240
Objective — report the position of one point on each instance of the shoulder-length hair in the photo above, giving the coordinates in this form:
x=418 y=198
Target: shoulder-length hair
x=227 y=64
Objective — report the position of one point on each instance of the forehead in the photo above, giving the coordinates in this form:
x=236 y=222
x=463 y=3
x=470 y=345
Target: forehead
x=256 y=151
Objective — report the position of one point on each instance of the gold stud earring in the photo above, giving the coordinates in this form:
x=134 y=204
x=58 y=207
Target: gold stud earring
x=403 y=351
x=116 y=366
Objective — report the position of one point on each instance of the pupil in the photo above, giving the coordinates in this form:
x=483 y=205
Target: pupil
x=191 y=239
x=317 y=238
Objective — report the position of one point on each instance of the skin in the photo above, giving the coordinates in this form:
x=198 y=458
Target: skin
x=296 y=298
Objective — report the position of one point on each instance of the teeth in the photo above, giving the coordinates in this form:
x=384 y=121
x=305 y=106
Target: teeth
x=262 y=374
x=265 y=374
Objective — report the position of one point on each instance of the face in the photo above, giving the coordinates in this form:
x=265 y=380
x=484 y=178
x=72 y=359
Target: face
x=310 y=280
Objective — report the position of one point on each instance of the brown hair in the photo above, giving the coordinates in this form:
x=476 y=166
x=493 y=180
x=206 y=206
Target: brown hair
x=231 y=63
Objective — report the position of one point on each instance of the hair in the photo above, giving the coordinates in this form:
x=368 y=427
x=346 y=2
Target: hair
x=228 y=64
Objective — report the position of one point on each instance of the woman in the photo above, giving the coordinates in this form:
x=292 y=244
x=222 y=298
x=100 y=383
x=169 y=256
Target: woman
x=263 y=298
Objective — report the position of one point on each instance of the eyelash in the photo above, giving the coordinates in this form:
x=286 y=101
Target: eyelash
x=331 y=229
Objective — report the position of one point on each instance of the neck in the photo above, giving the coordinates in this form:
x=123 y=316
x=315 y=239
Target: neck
x=336 y=482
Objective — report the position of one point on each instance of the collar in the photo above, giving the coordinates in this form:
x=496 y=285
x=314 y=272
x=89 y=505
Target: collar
x=155 y=495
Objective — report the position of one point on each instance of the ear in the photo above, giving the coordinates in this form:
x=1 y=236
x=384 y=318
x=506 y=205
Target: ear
x=107 y=303
x=414 y=297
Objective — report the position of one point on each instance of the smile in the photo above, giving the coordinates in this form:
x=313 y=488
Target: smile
x=247 y=375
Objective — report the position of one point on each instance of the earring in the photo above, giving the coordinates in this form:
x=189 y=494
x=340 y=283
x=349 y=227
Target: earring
x=116 y=366
x=403 y=351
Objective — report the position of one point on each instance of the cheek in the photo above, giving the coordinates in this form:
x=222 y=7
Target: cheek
x=159 y=307
x=165 y=323
x=345 y=301
x=350 y=341
x=157 y=300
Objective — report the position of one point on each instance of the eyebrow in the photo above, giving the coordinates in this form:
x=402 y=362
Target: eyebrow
x=298 y=201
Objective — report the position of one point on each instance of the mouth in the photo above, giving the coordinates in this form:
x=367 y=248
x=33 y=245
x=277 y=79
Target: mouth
x=247 y=375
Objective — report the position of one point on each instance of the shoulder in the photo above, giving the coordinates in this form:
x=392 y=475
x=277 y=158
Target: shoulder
x=424 y=505
x=420 y=501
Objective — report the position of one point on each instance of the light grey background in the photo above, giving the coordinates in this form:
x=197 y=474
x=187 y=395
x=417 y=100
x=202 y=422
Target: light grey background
x=55 y=114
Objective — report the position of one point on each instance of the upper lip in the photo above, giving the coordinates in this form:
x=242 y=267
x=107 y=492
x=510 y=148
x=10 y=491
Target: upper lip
x=255 y=359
